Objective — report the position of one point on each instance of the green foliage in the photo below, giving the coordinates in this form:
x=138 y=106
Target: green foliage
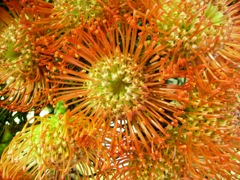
x=9 y=126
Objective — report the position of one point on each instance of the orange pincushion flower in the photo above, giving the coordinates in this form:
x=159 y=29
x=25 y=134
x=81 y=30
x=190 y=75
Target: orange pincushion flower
x=210 y=137
x=202 y=34
x=16 y=51
x=53 y=21
x=54 y=146
x=152 y=88
x=115 y=77
x=205 y=145
x=61 y=16
x=22 y=80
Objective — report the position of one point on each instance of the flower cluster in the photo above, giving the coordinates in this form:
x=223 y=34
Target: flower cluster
x=141 y=89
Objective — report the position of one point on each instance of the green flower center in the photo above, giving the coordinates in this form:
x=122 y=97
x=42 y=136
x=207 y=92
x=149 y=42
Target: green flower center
x=10 y=53
x=116 y=83
x=15 y=52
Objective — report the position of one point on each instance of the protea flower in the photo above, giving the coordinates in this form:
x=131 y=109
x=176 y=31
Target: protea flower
x=23 y=85
x=208 y=133
x=54 y=146
x=152 y=89
x=60 y=16
x=53 y=21
x=118 y=79
x=201 y=35
x=205 y=146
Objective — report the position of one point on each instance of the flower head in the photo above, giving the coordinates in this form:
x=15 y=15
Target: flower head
x=204 y=146
x=53 y=21
x=15 y=45
x=208 y=133
x=22 y=80
x=151 y=87
x=117 y=79
x=187 y=24
x=202 y=34
x=54 y=147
